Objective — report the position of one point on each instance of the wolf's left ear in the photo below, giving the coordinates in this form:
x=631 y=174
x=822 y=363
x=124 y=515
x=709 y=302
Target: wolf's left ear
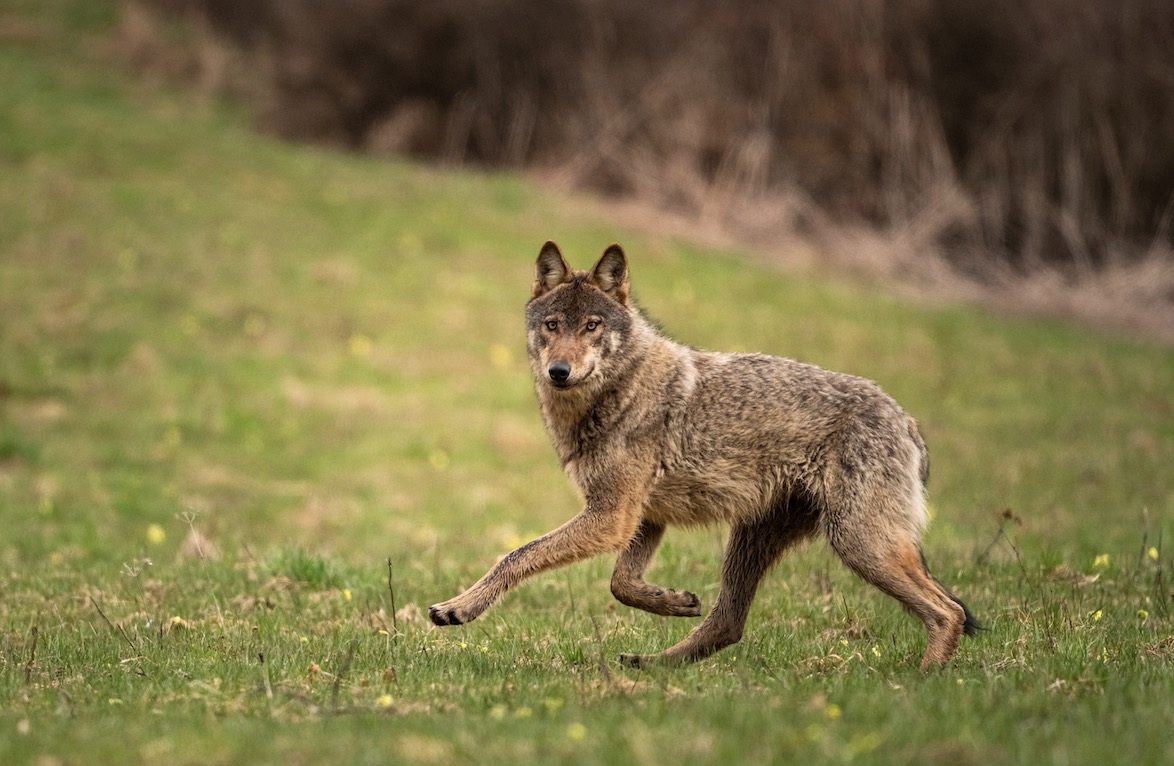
x=611 y=274
x=550 y=271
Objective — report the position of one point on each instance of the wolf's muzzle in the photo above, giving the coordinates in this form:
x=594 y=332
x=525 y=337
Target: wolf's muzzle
x=559 y=372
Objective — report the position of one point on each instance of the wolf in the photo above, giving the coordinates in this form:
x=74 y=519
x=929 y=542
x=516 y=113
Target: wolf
x=654 y=433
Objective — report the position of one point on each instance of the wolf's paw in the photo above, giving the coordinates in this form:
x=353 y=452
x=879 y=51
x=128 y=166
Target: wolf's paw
x=637 y=661
x=642 y=661
x=656 y=600
x=442 y=615
x=676 y=603
x=685 y=604
x=448 y=613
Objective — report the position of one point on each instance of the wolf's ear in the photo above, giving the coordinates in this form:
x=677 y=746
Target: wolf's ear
x=611 y=274
x=551 y=270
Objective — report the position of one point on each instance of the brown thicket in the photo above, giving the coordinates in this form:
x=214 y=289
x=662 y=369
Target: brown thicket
x=1019 y=133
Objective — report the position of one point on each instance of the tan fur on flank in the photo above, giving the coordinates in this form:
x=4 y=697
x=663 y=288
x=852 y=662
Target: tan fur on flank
x=654 y=433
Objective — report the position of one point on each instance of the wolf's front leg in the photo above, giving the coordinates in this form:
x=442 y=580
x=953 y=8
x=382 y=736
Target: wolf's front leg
x=627 y=582
x=469 y=605
x=752 y=549
x=598 y=529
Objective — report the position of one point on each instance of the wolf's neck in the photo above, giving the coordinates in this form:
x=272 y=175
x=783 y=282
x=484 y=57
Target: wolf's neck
x=629 y=392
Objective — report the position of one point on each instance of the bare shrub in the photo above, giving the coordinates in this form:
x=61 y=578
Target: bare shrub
x=1006 y=137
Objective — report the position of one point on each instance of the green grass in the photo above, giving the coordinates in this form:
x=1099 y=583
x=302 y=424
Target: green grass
x=237 y=377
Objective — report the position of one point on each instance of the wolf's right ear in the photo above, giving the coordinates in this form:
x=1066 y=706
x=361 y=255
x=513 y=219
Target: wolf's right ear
x=611 y=274
x=551 y=270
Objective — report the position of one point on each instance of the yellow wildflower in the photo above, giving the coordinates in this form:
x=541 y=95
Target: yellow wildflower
x=500 y=356
x=439 y=459
x=360 y=345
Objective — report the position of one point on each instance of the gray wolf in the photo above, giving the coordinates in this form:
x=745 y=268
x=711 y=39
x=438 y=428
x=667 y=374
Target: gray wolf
x=654 y=433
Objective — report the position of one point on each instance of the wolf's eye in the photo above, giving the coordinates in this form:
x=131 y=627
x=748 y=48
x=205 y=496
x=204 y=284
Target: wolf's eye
x=592 y=325
x=552 y=325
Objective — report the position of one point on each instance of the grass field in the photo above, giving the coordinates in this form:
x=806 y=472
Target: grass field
x=261 y=405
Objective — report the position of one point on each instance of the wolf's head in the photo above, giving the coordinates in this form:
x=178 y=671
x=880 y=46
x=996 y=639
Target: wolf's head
x=576 y=321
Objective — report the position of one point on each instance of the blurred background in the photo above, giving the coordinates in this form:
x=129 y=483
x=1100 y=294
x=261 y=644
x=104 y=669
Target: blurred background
x=1018 y=150
x=228 y=303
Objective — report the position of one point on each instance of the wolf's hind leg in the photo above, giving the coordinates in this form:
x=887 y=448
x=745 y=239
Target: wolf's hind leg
x=627 y=581
x=898 y=569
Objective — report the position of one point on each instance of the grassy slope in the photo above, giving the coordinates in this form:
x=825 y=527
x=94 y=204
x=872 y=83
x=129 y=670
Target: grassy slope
x=317 y=361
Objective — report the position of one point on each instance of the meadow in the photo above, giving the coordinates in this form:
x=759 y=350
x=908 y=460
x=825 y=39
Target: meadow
x=261 y=404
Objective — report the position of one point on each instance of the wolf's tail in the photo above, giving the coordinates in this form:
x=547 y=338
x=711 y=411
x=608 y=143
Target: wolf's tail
x=971 y=626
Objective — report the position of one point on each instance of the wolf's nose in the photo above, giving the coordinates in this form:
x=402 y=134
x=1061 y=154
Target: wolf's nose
x=559 y=372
